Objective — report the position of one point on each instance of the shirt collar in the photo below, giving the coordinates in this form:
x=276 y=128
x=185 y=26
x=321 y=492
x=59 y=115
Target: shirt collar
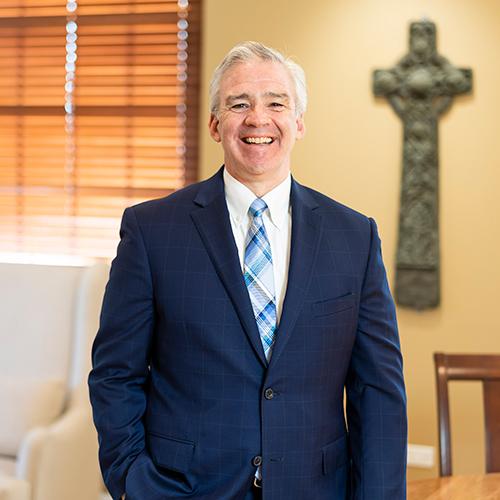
x=239 y=198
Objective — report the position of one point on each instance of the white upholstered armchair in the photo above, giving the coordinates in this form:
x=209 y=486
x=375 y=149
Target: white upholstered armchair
x=48 y=319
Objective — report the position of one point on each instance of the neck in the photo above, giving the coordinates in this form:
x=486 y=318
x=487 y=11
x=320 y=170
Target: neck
x=261 y=186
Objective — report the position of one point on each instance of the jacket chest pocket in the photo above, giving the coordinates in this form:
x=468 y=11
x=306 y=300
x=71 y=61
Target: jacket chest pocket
x=331 y=324
x=333 y=306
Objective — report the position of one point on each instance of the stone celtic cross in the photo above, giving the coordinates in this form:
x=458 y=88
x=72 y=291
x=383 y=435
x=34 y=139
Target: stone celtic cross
x=420 y=88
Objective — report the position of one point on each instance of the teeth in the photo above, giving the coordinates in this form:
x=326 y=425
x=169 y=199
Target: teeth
x=258 y=140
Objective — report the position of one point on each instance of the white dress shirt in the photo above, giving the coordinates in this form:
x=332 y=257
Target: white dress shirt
x=277 y=221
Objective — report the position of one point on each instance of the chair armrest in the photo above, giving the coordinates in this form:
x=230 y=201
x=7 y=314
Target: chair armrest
x=60 y=461
x=14 y=489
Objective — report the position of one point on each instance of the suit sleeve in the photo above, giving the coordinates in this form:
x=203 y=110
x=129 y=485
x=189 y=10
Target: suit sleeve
x=376 y=400
x=120 y=357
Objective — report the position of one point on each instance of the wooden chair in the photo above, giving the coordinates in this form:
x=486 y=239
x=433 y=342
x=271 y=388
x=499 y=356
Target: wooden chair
x=479 y=367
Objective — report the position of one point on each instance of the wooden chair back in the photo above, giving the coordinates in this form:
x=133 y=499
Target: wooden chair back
x=479 y=367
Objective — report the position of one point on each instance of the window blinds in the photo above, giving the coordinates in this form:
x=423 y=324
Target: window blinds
x=98 y=111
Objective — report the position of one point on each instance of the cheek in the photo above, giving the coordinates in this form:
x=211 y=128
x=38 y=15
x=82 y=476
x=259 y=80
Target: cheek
x=228 y=130
x=288 y=127
x=231 y=144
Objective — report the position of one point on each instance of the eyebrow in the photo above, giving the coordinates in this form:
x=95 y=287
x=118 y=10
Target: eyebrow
x=232 y=98
x=274 y=95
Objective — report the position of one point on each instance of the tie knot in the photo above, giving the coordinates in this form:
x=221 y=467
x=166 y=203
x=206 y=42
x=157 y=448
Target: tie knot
x=258 y=207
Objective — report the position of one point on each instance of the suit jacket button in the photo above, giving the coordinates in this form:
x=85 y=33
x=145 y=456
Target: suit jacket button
x=257 y=461
x=269 y=393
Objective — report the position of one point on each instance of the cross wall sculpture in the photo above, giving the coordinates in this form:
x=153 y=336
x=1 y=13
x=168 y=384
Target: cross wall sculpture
x=420 y=88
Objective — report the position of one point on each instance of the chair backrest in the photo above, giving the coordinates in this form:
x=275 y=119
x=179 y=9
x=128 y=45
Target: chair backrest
x=48 y=318
x=480 y=367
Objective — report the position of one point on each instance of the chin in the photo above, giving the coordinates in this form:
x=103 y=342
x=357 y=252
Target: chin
x=262 y=169
x=257 y=170
x=261 y=166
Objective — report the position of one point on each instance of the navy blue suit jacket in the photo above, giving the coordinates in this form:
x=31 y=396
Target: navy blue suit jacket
x=182 y=394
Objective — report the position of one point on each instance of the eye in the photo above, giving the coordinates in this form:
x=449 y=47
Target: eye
x=277 y=105
x=240 y=106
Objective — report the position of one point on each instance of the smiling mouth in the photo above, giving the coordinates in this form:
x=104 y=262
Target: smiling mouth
x=257 y=140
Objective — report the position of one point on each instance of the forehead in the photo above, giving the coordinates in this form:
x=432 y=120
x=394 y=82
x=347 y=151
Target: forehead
x=256 y=76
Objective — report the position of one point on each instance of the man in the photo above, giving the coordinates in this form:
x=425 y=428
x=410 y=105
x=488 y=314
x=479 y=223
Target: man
x=237 y=311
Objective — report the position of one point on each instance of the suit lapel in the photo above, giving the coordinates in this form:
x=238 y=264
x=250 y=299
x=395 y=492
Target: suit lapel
x=306 y=235
x=211 y=219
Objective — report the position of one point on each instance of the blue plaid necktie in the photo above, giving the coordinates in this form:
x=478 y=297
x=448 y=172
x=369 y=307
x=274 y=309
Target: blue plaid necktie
x=259 y=277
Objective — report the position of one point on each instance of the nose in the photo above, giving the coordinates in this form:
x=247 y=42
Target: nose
x=257 y=116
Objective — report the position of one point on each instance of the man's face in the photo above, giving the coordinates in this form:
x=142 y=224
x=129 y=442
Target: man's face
x=257 y=124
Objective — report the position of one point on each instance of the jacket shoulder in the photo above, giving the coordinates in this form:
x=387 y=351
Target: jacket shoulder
x=176 y=202
x=330 y=208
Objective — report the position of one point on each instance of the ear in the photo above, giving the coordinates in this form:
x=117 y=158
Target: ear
x=213 y=127
x=301 y=126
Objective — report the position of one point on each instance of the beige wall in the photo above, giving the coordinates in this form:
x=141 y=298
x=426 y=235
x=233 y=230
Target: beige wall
x=352 y=152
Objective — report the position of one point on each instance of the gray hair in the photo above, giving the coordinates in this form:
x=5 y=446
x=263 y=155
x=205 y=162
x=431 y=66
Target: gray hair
x=247 y=51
